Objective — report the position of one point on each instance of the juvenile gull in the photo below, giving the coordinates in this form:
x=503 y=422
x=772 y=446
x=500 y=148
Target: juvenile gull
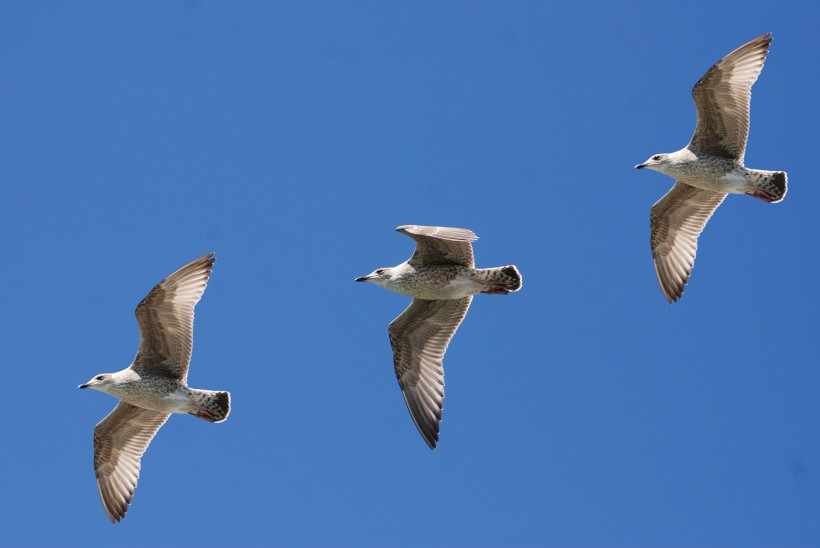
x=442 y=279
x=711 y=165
x=154 y=386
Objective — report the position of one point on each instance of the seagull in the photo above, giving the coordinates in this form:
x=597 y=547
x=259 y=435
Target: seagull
x=442 y=279
x=710 y=167
x=153 y=386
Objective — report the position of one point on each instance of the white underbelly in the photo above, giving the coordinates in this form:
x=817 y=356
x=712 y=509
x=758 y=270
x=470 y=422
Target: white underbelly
x=461 y=287
x=733 y=182
x=175 y=402
x=457 y=288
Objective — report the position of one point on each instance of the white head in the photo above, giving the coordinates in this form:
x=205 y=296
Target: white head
x=658 y=162
x=379 y=277
x=104 y=383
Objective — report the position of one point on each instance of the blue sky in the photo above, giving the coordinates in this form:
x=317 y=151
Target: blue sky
x=291 y=139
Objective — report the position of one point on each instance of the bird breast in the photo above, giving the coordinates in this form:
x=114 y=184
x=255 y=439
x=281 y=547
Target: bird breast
x=437 y=282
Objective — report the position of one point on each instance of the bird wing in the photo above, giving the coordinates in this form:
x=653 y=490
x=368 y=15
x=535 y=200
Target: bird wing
x=441 y=245
x=676 y=221
x=722 y=99
x=120 y=439
x=419 y=337
x=166 y=320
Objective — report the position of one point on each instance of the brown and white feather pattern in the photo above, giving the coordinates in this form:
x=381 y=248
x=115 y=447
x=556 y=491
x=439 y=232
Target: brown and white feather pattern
x=676 y=221
x=441 y=245
x=419 y=337
x=722 y=99
x=166 y=321
x=120 y=440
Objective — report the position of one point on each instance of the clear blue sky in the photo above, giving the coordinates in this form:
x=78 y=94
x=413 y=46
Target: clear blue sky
x=291 y=139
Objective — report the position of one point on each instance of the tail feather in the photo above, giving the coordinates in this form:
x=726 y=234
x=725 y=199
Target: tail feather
x=212 y=406
x=501 y=280
x=771 y=186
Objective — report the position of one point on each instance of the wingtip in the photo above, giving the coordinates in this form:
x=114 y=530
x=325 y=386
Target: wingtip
x=672 y=291
x=765 y=38
x=428 y=429
x=114 y=509
x=442 y=232
x=763 y=42
x=430 y=434
x=207 y=261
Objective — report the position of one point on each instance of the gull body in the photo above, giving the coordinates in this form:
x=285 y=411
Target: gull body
x=442 y=279
x=156 y=393
x=436 y=282
x=710 y=167
x=716 y=174
x=153 y=387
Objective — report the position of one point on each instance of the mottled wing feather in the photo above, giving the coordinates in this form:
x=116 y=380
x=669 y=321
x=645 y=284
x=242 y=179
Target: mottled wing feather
x=419 y=337
x=166 y=320
x=441 y=245
x=722 y=98
x=120 y=440
x=676 y=221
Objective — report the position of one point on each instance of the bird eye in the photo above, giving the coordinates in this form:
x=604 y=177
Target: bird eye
x=380 y=271
x=99 y=377
x=656 y=157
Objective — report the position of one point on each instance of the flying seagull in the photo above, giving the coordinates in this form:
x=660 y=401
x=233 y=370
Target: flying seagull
x=442 y=279
x=711 y=165
x=153 y=386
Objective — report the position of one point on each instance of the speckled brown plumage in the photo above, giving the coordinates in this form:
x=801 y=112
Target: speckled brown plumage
x=442 y=279
x=710 y=166
x=153 y=387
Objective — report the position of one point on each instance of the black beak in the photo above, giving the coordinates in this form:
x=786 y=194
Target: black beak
x=640 y=166
x=361 y=279
x=84 y=386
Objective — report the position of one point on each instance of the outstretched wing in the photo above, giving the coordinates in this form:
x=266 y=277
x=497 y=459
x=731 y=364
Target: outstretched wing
x=722 y=98
x=166 y=320
x=120 y=440
x=676 y=221
x=419 y=337
x=440 y=245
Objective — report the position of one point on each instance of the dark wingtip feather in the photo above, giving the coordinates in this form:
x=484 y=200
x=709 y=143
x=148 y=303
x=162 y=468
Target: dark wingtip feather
x=427 y=426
